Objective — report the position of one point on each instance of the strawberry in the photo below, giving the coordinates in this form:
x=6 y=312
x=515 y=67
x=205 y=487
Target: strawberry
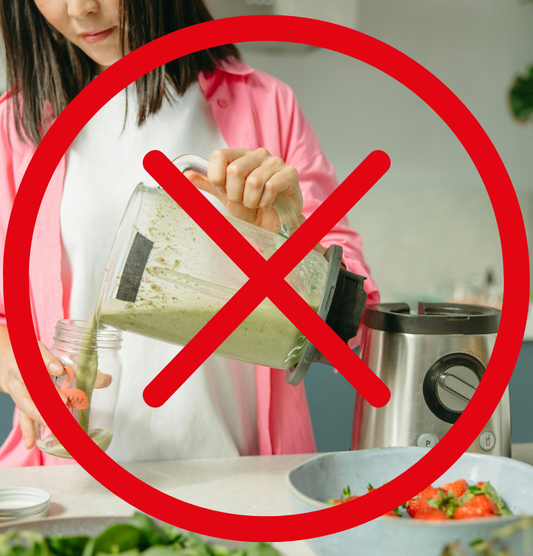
x=420 y=501
x=486 y=489
x=393 y=513
x=413 y=505
x=478 y=506
x=431 y=514
x=345 y=492
x=343 y=500
x=458 y=487
x=427 y=494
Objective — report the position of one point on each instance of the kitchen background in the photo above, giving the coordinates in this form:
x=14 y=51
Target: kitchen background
x=428 y=228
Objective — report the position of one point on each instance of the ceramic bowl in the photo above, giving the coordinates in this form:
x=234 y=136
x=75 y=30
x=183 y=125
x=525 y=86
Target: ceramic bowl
x=311 y=484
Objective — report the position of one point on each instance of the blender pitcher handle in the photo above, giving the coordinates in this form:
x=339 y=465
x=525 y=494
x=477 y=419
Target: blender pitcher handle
x=282 y=205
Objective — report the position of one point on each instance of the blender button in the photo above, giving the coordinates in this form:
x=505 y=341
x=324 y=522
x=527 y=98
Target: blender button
x=426 y=440
x=487 y=441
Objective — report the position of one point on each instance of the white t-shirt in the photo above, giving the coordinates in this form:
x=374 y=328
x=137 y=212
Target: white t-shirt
x=214 y=413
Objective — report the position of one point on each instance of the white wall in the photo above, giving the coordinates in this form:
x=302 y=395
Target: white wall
x=429 y=221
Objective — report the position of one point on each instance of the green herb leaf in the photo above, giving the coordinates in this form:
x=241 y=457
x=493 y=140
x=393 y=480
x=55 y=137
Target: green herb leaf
x=140 y=537
x=455 y=549
x=196 y=543
x=132 y=552
x=23 y=543
x=66 y=546
x=159 y=550
x=222 y=550
x=115 y=539
x=452 y=503
x=260 y=549
x=150 y=532
x=521 y=96
x=491 y=493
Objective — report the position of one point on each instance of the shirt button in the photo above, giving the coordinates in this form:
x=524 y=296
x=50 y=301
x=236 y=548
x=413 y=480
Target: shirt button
x=222 y=102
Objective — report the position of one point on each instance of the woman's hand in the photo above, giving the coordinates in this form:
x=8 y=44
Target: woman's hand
x=12 y=383
x=247 y=183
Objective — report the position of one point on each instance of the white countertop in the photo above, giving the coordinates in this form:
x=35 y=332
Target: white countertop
x=245 y=485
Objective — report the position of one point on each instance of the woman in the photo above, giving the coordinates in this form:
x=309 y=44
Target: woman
x=258 y=144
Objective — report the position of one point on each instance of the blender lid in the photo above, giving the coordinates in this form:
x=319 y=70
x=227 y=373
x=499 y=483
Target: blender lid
x=432 y=318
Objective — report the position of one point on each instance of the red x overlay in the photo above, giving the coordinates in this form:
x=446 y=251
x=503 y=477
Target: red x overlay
x=18 y=303
x=266 y=279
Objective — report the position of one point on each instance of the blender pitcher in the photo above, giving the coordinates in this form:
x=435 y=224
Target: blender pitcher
x=166 y=278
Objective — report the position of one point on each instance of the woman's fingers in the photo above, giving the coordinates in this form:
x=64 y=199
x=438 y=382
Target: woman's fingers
x=238 y=210
x=204 y=184
x=23 y=401
x=28 y=428
x=53 y=364
x=270 y=179
x=219 y=161
x=254 y=178
x=239 y=171
x=256 y=181
x=283 y=182
x=103 y=380
x=29 y=415
x=247 y=182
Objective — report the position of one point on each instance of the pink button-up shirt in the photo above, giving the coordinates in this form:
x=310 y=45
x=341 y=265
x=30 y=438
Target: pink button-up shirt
x=252 y=110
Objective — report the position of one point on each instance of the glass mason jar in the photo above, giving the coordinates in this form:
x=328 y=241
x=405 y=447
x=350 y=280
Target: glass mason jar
x=92 y=400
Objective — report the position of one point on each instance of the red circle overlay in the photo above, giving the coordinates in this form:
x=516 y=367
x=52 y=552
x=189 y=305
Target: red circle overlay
x=429 y=89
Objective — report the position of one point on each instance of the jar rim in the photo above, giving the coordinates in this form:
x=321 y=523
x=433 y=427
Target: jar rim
x=104 y=331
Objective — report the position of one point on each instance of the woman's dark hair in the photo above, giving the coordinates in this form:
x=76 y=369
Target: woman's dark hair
x=43 y=66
